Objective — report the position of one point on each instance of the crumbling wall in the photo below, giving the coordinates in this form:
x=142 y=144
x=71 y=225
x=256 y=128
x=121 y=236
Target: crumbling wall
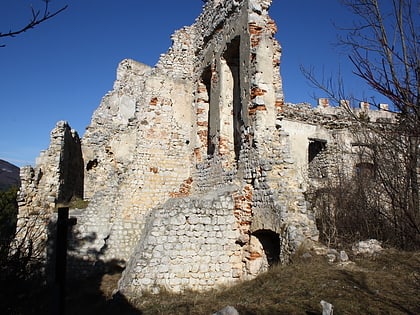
x=56 y=178
x=325 y=140
x=240 y=155
x=137 y=156
x=187 y=163
x=195 y=249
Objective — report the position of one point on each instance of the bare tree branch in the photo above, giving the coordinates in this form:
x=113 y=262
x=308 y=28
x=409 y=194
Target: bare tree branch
x=384 y=48
x=36 y=19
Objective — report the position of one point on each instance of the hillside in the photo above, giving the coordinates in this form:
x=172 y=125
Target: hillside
x=9 y=175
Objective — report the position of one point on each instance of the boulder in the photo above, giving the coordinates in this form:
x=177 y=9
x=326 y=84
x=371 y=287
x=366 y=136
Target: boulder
x=368 y=247
x=327 y=308
x=228 y=310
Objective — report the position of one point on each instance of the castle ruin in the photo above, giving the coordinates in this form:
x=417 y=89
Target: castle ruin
x=194 y=169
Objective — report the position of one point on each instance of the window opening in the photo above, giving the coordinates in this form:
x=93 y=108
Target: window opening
x=315 y=147
x=365 y=170
x=211 y=130
x=232 y=57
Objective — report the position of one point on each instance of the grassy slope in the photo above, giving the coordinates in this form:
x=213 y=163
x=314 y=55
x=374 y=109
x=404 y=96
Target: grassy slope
x=386 y=284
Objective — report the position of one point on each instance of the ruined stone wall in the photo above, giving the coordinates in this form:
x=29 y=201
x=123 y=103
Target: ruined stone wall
x=56 y=178
x=326 y=140
x=195 y=249
x=136 y=156
x=187 y=163
x=239 y=153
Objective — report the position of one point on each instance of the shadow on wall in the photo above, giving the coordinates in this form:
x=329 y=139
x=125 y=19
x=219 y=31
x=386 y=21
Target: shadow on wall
x=27 y=287
x=95 y=294
x=92 y=283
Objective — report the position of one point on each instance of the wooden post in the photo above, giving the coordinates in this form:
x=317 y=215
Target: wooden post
x=63 y=222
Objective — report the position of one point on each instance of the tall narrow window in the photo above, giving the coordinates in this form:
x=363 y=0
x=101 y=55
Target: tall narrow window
x=232 y=58
x=211 y=130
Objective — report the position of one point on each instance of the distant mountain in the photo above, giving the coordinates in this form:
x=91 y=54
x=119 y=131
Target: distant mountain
x=9 y=175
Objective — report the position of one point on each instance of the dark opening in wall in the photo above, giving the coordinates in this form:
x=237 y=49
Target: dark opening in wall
x=91 y=164
x=232 y=57
x=270 y=241
x=211 y=130
x=315 y=147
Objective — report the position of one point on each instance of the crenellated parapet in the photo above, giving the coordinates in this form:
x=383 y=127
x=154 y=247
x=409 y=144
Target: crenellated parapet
x=337 y=117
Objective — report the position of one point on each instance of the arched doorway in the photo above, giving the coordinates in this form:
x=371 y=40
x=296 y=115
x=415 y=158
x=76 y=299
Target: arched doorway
x=270 y=241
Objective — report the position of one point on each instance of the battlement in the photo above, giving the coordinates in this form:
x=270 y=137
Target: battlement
x=338 y=116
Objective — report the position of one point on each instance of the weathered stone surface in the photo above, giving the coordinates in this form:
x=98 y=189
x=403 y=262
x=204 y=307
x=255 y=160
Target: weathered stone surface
x=343 y=256
x=195 y=170
x=187 y=243
x=327 y=308
x=57 y=178
x=228 y=310
x=368 y=247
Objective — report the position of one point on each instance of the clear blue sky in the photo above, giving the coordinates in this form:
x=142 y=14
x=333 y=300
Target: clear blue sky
x=61 y=69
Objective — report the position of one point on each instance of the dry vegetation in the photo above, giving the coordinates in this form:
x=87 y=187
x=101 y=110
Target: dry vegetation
x=386 y=284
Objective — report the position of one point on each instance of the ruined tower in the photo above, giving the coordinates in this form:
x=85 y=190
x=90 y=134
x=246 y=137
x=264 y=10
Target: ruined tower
x=187 y=170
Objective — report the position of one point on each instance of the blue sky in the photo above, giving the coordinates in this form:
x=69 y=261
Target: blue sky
x=61 y=69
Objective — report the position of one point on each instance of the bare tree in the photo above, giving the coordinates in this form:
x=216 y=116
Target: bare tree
x=384 y=48
x=37 y=17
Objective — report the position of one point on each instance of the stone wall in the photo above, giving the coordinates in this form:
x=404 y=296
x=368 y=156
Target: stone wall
x=325 y=140
x=56 y=178
x=189 y=242
x=187 y=163
x=136 y=155
x=195 y=170
x=239 y=153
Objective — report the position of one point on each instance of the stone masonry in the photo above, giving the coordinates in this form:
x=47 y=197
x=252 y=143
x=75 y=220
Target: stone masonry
x=57 y=178
x=194 y=169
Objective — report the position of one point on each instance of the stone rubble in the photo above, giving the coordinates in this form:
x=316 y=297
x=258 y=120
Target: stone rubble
x=368 y=247
x=327 y=308
x=228 y=310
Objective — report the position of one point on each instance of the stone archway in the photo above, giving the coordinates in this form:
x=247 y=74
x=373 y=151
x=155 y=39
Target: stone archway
x=270 y=242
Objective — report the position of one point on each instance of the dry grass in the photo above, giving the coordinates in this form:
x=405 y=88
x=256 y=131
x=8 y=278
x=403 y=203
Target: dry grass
x=386 y=284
